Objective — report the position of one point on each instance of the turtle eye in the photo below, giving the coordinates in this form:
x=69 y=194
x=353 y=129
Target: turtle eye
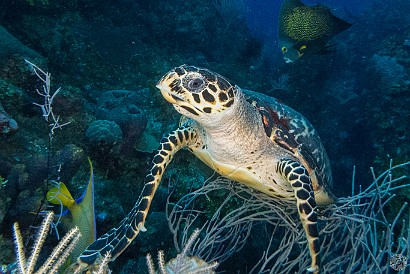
x=195 y=85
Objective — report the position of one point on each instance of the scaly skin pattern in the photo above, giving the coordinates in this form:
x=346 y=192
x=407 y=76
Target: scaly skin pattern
x=299 y=178
x=243 y=136
x=117 y=239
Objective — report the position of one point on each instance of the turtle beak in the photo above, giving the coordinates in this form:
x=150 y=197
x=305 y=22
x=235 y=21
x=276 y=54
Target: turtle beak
x=167 y=93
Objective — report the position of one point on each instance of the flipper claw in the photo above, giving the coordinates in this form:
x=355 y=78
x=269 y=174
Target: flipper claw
x=141 y=227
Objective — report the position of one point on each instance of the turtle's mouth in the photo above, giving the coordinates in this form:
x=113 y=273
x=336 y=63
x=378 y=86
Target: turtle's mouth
x=168 y=94
x=177 y=101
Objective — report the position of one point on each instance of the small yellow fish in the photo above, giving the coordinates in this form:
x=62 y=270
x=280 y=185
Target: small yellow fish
x=81 y=211
x=305 y=30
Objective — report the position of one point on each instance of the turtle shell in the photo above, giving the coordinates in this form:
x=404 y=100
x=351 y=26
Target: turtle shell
x=290 y=130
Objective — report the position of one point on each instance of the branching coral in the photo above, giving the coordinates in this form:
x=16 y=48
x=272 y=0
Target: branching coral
x=183 y=263
x=356 y=234
x=57 y=257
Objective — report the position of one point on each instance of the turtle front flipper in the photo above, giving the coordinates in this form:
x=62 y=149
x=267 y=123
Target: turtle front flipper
x=115 y=241
x=299 y=179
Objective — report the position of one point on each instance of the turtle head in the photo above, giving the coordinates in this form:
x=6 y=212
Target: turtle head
x=197 y=93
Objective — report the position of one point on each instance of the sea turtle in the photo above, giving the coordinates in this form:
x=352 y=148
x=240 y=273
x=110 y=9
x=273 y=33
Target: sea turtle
x=244 y=136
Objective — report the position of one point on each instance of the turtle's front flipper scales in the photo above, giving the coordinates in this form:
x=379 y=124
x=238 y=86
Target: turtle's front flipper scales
x=300 y=181
x=117 y=239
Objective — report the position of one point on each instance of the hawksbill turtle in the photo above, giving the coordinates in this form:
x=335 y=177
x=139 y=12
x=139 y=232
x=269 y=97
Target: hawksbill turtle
x=243 y=135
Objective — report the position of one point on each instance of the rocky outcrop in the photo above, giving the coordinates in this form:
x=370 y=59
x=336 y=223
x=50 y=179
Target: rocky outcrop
x=10 y=45
x=7 y=124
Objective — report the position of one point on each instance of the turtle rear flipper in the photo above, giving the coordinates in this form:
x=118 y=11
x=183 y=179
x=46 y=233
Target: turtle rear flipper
x=299 y=179
x=115 y=241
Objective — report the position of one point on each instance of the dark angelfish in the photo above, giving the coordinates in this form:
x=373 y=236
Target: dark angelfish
x=305 y=30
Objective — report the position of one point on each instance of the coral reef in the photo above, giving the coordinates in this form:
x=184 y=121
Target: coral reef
x=57 y=257
x=103 y=132
x=182 y=264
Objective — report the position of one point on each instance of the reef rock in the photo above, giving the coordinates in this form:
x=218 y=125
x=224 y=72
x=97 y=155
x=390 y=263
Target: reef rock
x=7 y=124
x=9 y=46
x=103 y=132
x=122 y=107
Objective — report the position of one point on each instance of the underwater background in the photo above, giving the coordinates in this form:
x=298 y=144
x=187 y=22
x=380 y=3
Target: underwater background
x=107 y=58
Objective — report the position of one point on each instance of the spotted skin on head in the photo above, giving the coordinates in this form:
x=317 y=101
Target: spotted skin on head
x=197 y=92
